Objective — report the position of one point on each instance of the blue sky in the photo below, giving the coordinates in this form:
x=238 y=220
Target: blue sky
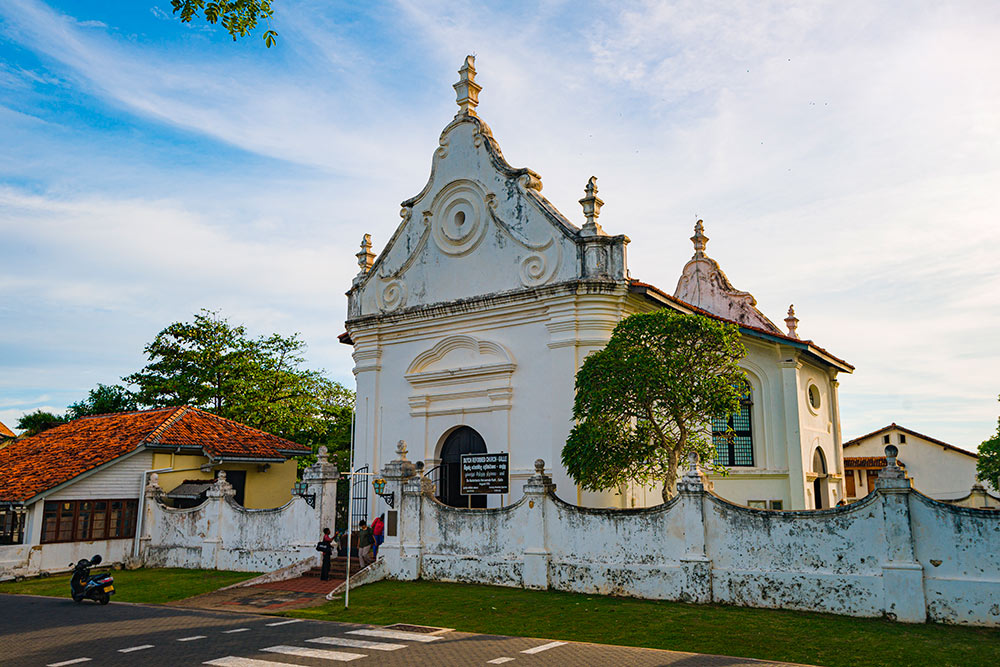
x=843 y=155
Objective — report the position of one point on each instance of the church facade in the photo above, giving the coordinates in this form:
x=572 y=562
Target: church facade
x=468 y=329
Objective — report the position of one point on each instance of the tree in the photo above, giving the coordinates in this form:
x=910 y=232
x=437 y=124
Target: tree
x=104 y=399
x=35 y=422
x=213 y=365
x=648 y=398
x=238 y=17
x=988 y=466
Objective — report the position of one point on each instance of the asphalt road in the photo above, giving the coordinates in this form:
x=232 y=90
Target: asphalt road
x=58 y=632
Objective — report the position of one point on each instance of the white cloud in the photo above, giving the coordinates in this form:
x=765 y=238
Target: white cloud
x=842 y=155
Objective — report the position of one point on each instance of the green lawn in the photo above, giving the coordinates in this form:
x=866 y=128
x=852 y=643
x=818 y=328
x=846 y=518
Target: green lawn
x=155 y=585
x=818 y=639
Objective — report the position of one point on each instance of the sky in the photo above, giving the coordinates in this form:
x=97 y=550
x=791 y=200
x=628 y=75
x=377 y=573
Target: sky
x=843 y=155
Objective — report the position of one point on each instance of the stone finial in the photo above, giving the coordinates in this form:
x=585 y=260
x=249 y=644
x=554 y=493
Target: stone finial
x=401 y=450
x=591 y=209
x=692 y=481
x=792 y=322
x=699 y=239
x=891 y=469
x=539 y=467
x=467 y=89
x=366 y=257
x=322 y=454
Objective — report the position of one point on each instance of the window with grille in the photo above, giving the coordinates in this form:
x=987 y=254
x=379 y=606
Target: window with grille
x=82 y=520
x=733 y=435
x=11 y=527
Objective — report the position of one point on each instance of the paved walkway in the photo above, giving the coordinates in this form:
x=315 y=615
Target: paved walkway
x=295 y=593
x=51 y=632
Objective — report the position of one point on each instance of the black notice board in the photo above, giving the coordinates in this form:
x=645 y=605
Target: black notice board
x=485 y=473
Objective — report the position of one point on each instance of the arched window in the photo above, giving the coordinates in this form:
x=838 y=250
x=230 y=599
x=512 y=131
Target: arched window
x=733 y=435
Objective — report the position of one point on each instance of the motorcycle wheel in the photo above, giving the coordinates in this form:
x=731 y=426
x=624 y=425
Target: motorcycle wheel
x=104 y=599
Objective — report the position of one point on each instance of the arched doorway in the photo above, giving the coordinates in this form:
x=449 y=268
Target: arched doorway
x=819 y=484
x=463 y=440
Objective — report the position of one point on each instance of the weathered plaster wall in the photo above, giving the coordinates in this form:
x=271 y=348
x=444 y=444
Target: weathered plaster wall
x=219 y=534
x=895 y=553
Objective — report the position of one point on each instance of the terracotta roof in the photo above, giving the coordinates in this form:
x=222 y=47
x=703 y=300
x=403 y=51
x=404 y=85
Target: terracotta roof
x=33 y=465
x=903 y=429
x=6 y=432
x=811 y=346
x=868 y=462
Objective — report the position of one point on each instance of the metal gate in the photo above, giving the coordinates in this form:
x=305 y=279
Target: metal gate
x=359 y=498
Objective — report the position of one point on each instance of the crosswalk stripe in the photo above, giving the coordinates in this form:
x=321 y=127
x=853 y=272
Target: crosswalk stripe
x=395 y=634
x=68 y=662
x=498 y=661
x=356 y=643
x=135 y=648
x=294 y=620
x=543 y=647
x=191 y=638
x=233 y=661
x=304 y=652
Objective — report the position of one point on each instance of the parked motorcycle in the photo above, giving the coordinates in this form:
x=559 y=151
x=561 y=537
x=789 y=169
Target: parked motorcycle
x=83 y=585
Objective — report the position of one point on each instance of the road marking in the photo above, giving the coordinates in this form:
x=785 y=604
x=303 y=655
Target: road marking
x=191 y=639
x=68 y=662
x=356 y=643
x=294 y=620
x=236 y=630
x=543 y=647
x=395 y=634
x=233 y=661
x=304 y=652
x=498 y=661
x=135 y=648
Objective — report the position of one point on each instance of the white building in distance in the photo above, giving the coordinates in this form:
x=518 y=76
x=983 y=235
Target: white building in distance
x=935 y=468
x=470 y=325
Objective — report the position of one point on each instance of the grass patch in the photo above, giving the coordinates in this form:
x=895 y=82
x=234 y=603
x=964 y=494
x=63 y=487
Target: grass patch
x=810 y=638
x=153 y=585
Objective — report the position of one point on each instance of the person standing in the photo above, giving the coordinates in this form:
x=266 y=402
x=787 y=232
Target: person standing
x=325 y=546
x=378 y=530
x=366 y=543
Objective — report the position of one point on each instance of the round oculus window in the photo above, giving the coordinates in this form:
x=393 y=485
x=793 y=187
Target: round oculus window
x=814 y=398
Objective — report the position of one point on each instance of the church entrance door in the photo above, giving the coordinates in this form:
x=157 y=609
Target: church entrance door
x=463 y=440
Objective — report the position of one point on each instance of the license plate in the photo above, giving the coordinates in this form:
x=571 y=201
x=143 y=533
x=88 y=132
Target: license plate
x=109 y=589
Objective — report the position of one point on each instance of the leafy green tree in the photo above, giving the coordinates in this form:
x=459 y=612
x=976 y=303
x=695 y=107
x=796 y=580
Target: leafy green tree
x=103 y=399
x=648 y=398
x=238 y=17
x=261 y=382
x=988 y=466
x=35 y=422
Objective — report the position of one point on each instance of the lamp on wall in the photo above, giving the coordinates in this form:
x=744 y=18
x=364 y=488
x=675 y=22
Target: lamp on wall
x=302 y=489
x=389 y=498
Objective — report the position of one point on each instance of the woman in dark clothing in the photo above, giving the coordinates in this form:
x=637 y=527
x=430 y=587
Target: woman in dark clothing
x=326 y=546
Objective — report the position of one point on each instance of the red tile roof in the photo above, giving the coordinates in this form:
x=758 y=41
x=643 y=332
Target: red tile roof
x=32 y=465
x=813 y=347
x=868 y=462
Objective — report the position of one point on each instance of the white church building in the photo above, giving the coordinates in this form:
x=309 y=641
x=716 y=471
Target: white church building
x=468 y=329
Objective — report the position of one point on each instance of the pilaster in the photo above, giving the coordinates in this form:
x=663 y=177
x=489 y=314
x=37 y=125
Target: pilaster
x=321 y=479
x=790 y=366
x=696 y=564
x=902 y=575
x=535 y=573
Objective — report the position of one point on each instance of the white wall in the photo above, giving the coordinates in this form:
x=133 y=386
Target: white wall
x=220 y=534
x=121 y=479
x=895 y=554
